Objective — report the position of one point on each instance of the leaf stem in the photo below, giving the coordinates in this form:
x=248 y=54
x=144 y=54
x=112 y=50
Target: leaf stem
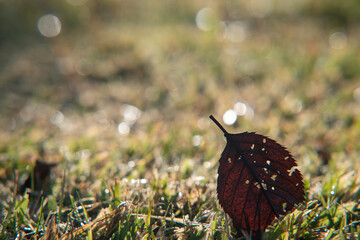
x=219 y=125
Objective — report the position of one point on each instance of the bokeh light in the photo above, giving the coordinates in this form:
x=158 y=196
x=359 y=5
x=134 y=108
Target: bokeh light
x=138 y=181
x=338 y=40
x=292 y=105
x=58 y=118
x=84 y=67
x=230 y=117
x=123 y=128
x=131 y=164
x=49 y=25
x=207 y=164
x=250 y=112
x=131 y=114
x=206 y=19
x=235 y=32
x=196 y=140
x=240 y=108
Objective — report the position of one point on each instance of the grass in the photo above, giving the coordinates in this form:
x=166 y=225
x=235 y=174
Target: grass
x=151 y=68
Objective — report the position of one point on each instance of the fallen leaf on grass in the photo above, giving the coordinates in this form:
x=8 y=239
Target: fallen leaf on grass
x=257 y=181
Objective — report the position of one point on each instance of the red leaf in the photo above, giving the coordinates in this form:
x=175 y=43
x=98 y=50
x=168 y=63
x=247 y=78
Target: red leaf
x=257 y=181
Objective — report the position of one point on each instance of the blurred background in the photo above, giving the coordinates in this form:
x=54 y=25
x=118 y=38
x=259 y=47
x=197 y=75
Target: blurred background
x=123 y=89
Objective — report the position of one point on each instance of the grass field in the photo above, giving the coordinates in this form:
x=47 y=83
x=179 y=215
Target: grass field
x=120 y=101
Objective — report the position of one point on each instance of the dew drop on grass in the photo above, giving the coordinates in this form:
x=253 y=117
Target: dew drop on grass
x=131 y=164
x=332 y=190
x=124 y=180
x=138 y=181
x=199 y=178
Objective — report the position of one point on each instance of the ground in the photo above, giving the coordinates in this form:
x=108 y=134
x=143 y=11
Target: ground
x=120 y=100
